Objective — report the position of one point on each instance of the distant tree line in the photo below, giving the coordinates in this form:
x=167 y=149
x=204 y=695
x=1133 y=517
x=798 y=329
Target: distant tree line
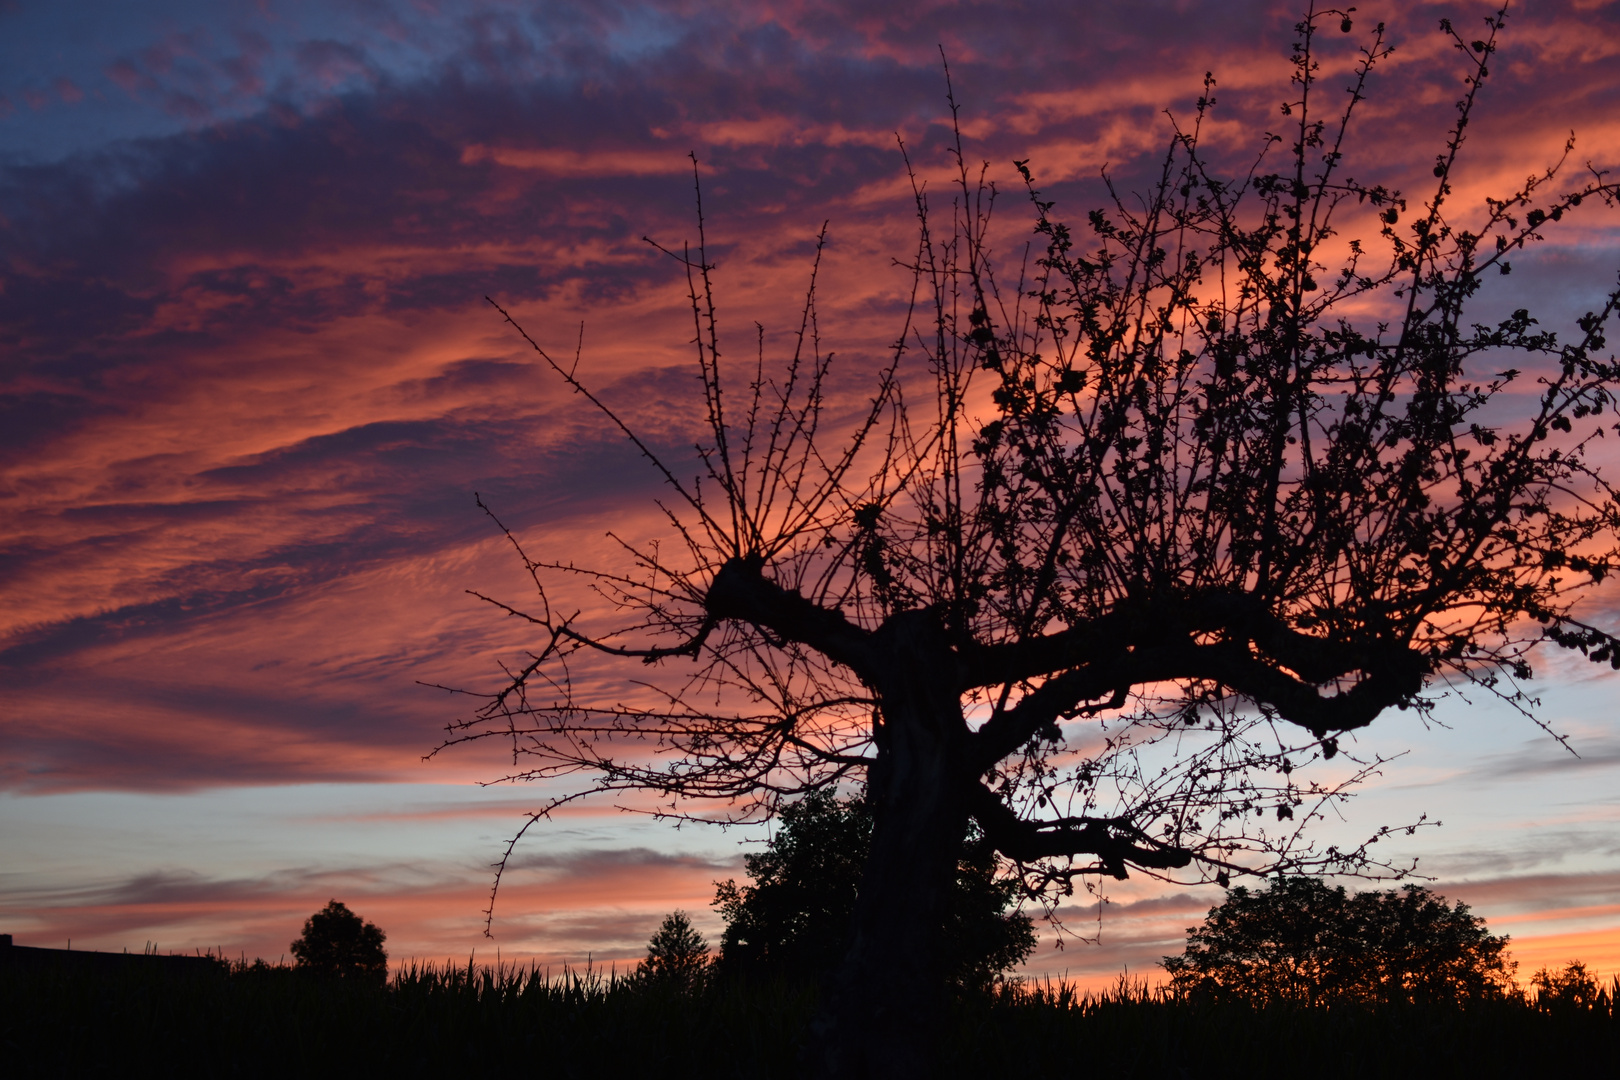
x=1296 y=942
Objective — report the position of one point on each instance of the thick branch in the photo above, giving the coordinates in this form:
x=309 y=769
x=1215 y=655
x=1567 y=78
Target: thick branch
x=1396 y=676
x=741 y=592
x=1114 y=842
x=1235 y=616
x=1061 y=695
x=1392 y=678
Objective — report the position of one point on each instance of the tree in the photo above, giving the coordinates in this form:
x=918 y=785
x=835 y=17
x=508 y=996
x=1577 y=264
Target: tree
x=1301 y=942
x=677 y=956
x=337 y=943
x=795 y=919
x=1116 y=552
x=1573 y=988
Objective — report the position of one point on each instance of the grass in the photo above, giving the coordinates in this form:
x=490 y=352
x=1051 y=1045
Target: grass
x=1132 y=1032
x=256 y=1020
x=246 y=1021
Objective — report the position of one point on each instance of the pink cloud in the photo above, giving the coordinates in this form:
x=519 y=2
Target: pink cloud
x=576 y=163
x=130 y=78
x=329 y=63
x=553 y=910
x=245 y=69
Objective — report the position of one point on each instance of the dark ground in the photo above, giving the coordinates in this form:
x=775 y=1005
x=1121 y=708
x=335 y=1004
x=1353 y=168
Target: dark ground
x=221 y=1020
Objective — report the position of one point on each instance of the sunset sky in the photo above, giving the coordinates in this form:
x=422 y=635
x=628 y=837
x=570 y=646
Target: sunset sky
x=249 y=385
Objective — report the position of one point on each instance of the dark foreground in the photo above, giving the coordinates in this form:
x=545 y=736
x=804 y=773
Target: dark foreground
x=220 y=1021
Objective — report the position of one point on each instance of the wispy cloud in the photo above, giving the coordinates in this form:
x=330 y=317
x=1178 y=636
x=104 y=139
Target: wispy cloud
x=256 y=365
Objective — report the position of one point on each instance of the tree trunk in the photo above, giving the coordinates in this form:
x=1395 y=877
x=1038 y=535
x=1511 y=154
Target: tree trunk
x=888 y=999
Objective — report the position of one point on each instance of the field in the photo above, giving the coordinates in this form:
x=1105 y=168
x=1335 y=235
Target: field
x=249 y=1021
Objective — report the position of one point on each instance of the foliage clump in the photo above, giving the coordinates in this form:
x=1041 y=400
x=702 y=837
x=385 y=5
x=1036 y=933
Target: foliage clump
x=795 y=919
x=337 y=943
x=1302 y=942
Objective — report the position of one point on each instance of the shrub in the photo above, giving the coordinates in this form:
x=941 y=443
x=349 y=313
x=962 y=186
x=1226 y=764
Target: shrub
x=1572 y=988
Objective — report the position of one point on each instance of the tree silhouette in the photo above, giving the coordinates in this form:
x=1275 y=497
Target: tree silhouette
x=795 y=919
x=1572 y=989
x=677 y=956
x=1115 y=552
x=338 y=943
x=1301 y=942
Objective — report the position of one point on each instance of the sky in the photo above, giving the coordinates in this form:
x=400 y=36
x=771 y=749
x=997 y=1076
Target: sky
x=249 y=385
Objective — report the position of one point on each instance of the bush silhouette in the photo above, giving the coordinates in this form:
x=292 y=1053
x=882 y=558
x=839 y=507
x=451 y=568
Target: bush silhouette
x=337 y=943
x=677 y=956
x=1302 y=942
x=1572 y=988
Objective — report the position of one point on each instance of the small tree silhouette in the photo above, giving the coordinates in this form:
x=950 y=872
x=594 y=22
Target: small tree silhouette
x=677 y=956
x=338 y=943
x=1305 y=943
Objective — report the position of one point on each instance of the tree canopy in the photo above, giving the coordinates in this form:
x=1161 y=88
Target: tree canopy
x=796 y=917
x=1299 y=941
x=1121 y=547
x=338 y=943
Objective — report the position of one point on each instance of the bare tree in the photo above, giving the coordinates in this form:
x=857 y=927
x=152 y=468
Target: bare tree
x=1116 y=551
